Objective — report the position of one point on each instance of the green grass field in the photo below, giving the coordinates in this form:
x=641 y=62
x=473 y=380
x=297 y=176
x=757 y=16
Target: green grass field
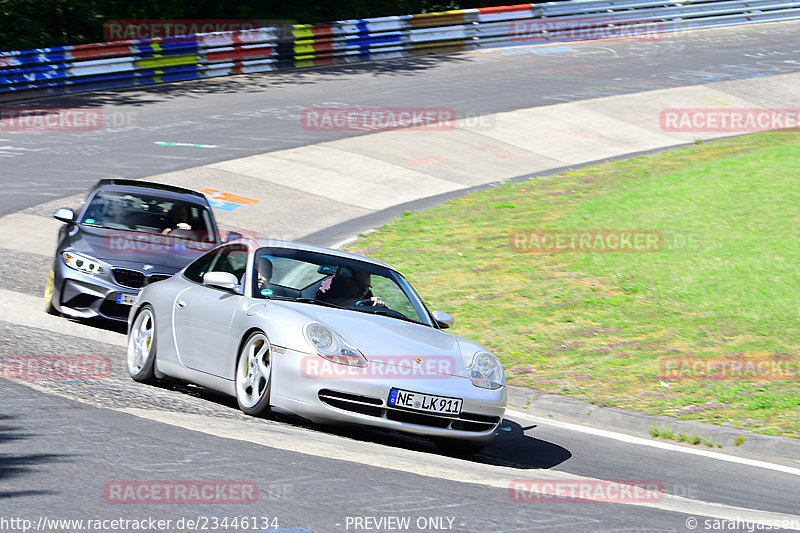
x=602 y=326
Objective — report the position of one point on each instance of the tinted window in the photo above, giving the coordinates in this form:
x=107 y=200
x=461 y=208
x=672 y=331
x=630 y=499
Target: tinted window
x=231 y=259
x=151 y=214
x=198 y=269
x=340 y=281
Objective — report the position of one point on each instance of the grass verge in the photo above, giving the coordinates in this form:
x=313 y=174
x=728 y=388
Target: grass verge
x=661 y=332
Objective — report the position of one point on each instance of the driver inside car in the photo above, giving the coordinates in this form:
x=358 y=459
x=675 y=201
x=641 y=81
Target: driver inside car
x=350 y=287
x=178 y=219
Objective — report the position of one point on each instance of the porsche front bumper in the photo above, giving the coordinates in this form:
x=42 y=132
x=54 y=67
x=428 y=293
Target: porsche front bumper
x=361 y=398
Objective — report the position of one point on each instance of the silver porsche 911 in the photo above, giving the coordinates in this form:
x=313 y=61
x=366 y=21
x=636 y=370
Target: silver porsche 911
x=327 y=335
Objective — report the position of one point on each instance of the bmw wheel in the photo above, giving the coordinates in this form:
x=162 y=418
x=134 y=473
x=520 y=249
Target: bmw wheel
x=142 y=346
x=48 y=294
x=254 y=375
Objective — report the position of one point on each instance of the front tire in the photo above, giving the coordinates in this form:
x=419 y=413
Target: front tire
x=142 y=346
x=254 y=375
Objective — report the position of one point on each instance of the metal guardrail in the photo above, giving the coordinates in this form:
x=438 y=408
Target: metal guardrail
x=70 y=69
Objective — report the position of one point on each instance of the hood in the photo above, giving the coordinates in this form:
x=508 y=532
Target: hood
x=133 y=249
x=387 y=340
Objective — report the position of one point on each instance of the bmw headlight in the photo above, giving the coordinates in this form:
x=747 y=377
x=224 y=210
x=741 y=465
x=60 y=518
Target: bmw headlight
x=486 y=371
x=333 y=346
x=82 y=263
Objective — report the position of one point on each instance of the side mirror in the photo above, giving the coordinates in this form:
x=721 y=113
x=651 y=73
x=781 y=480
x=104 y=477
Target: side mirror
x=444 y=320
x=221 y=280
x=232 y=236
x=64 y=215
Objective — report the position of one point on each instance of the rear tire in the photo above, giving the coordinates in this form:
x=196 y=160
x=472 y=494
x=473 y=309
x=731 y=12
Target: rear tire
x=254 y=375
x=142 y=346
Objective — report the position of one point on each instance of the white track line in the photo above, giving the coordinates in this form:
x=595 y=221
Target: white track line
x=656 y=444
x=372 y=454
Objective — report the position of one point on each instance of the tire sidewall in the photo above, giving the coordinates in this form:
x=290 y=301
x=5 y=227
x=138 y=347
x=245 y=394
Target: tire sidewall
x=147 y=373
x=261 y=407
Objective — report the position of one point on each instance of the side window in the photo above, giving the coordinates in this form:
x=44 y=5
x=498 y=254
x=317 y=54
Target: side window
x=231 y=259
x=198 y=269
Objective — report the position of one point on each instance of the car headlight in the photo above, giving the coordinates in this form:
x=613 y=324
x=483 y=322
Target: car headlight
x=82 y=263
x=333 y=346
x=486 y=371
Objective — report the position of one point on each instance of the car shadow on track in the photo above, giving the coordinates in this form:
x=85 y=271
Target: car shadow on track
x=512 y=448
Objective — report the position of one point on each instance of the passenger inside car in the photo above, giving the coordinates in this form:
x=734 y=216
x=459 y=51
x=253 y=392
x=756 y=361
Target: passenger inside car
x=263 y=274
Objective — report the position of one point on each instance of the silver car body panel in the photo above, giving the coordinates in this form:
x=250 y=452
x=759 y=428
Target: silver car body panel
x=200 y=331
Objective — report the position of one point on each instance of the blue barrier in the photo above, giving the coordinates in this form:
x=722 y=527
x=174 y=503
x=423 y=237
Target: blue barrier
x=69 y=69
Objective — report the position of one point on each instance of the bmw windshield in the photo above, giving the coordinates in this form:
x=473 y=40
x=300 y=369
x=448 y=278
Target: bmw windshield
x=127 y=211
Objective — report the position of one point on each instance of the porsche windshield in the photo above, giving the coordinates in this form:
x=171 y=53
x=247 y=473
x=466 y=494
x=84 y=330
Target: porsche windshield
x=335 y=281
x=138 y=212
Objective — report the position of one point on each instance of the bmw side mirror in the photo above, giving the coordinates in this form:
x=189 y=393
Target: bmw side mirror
x=220 y=280
x=444 y=320
x=65 y=215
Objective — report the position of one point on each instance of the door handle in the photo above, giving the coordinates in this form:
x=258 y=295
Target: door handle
x=181 y=304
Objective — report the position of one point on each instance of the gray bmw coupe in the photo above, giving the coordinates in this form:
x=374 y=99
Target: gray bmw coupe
x=126 y=235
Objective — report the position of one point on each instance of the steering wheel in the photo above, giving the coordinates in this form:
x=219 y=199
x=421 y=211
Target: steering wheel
x=372 y=302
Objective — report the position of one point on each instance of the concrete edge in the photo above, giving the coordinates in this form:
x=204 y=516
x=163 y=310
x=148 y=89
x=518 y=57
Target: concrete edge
x=349 y=230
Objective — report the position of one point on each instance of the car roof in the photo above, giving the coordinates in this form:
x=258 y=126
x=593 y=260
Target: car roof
x=171 y=191
x=272 y=243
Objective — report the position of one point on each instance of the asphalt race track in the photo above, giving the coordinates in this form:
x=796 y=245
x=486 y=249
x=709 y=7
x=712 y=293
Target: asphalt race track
x=63 y=443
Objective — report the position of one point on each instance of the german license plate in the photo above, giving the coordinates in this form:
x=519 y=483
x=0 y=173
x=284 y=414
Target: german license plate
x=424 y=402
x=125 y=298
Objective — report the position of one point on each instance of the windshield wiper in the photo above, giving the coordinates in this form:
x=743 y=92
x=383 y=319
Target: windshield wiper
x=315 y=301
x=391 y=313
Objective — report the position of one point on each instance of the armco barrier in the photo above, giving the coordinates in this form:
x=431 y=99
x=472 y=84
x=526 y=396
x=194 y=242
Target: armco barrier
x=70 y=69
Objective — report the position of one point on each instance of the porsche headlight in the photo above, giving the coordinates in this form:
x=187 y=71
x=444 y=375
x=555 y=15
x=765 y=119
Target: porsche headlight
x=82 y=263
x=333 y=346
x=486 y=371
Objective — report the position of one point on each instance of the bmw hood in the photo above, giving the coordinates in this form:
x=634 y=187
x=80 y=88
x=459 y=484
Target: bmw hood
x=135 y=248
x=386 y=340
